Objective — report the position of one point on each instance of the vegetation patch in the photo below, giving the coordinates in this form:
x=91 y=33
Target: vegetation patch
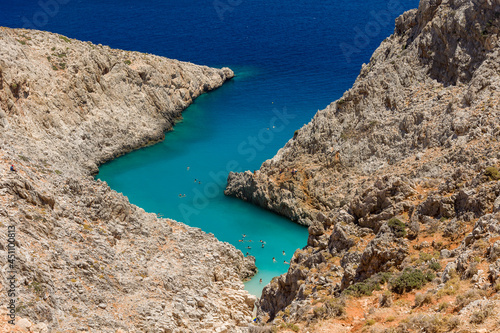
x=470 y=296
x=66 y=39
x=435 y=266
x=290 y=326
x=410 y=279
x=366 y=287
x=422 y=299
x=479 y=316
x=451 y=287
x=431 y=323
x=331 y=308
x=398 y=228
x=492 y=173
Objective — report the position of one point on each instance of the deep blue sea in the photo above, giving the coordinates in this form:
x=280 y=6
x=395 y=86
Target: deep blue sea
x=291 y=59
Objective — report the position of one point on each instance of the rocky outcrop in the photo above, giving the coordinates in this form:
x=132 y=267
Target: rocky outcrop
x=88 y=260
x=409 y=152
x=402 y=117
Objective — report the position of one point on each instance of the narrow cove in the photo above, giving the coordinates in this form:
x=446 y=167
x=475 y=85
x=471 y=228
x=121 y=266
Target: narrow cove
x=184 y=176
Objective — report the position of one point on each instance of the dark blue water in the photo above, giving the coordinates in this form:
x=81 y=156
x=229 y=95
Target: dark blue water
x=291 y=59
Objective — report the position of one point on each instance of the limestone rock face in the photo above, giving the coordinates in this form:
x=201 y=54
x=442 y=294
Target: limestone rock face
x=86 y=258
x=424 y=102
x=411 y=150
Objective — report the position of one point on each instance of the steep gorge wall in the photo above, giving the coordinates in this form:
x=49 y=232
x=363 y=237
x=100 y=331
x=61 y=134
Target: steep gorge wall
x=86 y=258
x=425 y=88
x=417 y=139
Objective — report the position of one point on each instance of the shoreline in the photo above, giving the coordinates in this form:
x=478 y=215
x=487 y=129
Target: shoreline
x=62 y=121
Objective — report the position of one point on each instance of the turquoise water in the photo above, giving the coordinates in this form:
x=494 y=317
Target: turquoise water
x=207 y=142
x=291 y=59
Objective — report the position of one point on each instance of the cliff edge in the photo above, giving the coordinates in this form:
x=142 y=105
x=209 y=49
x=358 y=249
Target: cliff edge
x=398 y=182
x=85 y=258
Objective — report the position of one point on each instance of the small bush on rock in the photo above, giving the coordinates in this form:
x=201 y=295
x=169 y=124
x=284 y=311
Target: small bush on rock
x=398 y=228
x=492 y=173
x=410 y=279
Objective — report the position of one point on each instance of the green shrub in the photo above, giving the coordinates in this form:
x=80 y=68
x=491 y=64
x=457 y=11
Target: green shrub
x=492 y=173
x=366 y=287
x=408 y=280
x=370 y=322
x=425 y=256
x=127 y=62
x=435 y=266
x=360 y=289
x=66 y=39
x=383 y=277
x=398 y=228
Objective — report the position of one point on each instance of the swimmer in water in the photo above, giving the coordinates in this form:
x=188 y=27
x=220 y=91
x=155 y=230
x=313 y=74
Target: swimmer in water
x=260 y=281
x=284 y=253
x=274 y=259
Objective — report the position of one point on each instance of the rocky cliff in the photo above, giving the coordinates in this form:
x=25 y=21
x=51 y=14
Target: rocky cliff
x=86 y=259
x=399 y=175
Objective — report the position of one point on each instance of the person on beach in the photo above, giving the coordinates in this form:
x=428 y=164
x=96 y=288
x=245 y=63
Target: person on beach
x=12 y=168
